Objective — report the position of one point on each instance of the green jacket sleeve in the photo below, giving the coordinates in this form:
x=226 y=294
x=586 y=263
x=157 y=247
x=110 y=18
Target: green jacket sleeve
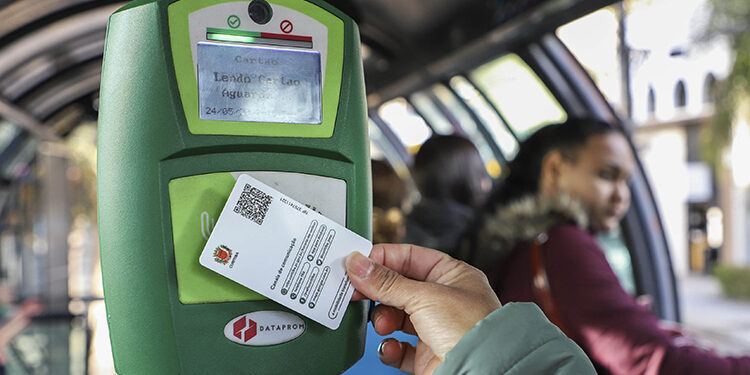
x=515 y=339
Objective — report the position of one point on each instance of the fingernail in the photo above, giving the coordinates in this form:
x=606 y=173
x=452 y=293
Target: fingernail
x=382 y=356
x=359 y=265
x=374 y=318
x=380 y=348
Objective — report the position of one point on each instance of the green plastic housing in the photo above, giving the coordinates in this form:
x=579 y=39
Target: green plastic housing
x=144 y=143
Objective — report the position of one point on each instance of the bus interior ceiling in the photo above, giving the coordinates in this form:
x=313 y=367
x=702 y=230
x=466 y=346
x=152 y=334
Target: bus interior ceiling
x=51 y=53
x=50 y=50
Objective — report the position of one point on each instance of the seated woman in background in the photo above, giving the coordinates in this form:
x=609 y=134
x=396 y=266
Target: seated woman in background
x=568 y=182
x=453 y=182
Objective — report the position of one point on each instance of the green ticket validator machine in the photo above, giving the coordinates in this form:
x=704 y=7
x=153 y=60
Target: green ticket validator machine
x=195 y=93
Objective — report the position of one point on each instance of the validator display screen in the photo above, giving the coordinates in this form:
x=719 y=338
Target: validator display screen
x=258 y=84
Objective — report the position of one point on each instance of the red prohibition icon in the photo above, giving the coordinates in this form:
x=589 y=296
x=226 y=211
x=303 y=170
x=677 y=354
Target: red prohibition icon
x=286 y=26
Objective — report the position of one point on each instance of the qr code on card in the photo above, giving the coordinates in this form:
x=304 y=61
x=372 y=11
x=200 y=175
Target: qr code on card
x=253 y=204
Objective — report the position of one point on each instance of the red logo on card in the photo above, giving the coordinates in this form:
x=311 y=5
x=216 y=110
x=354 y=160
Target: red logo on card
x=245 y=329
x=222 y=254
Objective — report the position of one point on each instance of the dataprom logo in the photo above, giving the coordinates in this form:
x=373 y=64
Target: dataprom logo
x=261 y=328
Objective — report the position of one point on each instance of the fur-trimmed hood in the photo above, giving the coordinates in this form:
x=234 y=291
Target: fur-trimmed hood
x=523 y=220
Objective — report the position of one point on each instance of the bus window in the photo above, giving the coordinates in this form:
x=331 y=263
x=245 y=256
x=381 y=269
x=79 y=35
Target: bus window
x=599 y=56
x=17 y=154
x=495 y=125
x=408 y=126
x=466 y=122
x=381 y=148
x=375 y=151
x=518 y=93
x=426 y=106
x=8 y=132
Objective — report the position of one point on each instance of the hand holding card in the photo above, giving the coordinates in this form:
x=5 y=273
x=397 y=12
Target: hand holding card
x=276 y=246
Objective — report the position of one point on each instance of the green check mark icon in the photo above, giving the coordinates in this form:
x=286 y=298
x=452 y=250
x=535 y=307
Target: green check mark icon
x=233 y=21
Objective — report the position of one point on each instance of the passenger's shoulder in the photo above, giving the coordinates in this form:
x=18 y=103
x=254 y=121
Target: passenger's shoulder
x=569 y=230
x=575 y=254
x=571 y=238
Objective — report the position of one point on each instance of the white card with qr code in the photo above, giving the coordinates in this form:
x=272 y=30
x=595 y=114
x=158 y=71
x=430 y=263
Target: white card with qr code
x=278 y=247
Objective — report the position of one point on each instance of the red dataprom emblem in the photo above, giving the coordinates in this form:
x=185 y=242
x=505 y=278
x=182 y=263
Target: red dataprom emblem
x=245 y=328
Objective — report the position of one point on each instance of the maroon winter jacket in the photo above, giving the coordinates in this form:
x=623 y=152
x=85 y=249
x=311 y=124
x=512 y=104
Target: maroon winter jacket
x=619 y=335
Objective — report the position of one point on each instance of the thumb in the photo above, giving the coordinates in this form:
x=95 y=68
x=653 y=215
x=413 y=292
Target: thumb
x=379 y=283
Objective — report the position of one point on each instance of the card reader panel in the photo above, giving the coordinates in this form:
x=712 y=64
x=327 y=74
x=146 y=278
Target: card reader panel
x=195 y=204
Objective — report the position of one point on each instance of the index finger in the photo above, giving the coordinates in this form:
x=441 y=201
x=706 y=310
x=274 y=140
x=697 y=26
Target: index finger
x=415 y=262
